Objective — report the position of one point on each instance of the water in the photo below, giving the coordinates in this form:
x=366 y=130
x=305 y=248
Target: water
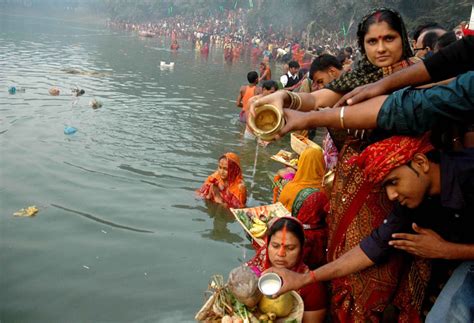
x=119 y=236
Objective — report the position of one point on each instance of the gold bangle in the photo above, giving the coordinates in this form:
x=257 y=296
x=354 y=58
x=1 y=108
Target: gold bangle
x=300 y=102
x=291 y=99
x=341 y=117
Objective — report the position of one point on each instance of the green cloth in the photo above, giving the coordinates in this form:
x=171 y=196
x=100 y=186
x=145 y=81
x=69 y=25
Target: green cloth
x=414 y=111
x=300 y=198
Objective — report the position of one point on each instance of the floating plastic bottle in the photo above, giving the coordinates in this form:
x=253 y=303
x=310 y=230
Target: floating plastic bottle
x=12 y=90
x=68 y=130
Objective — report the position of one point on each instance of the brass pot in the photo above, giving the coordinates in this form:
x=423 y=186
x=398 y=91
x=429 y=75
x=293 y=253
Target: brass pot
x=267 y=122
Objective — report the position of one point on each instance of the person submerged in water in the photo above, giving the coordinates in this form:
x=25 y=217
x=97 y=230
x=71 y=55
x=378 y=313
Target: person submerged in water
x=226 y=185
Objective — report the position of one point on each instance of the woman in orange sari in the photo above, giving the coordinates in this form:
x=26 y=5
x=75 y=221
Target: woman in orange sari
x=310 y=173
x=226 y=185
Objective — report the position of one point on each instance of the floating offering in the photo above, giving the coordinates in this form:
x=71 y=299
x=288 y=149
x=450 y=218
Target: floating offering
x=54 y=91
x=95 y=104
x=29 y=211
x=77 y=92
x=68 y=130
x=267 y=122
x=164 y=64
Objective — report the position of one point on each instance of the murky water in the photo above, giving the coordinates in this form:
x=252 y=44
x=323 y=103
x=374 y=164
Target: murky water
x=120 y=236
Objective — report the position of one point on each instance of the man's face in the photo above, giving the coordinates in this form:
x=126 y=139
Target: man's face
x=267 y=92
x=294 y=70
x=324 y=77
x=420 y=51
x=407 y=184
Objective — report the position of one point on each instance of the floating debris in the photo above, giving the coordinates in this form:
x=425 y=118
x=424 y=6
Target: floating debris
x=68 y=130
x=54 y=91
x=77 y=92
x=85 y=267
x=95 y=104
x=29 y=211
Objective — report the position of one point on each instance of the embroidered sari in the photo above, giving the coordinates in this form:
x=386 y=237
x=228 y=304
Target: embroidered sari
x=233 y=191
x=310 y=208
x=357 y=207
x=310 y=173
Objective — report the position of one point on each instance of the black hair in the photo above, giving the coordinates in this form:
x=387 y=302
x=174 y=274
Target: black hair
x=341 y=57
x=269 y=84
x=349 y=50
x=291 y=226
x=434 y=156
x=387 y=15
x=445 y=40
x=323 y=62
x=430 y=39
x=252 y=77
x=293 y=64
x=424 y=27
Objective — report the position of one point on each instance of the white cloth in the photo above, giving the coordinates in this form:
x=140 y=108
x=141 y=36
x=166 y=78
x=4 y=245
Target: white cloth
x=284 y=78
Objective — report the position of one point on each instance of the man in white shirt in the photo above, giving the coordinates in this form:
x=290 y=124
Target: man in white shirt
x=292 y=79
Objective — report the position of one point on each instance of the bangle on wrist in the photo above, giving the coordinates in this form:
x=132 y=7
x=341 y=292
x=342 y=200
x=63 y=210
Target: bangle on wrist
x=295 y=101
x=341 y=117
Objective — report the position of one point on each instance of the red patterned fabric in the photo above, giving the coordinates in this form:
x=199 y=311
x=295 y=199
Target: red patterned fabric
x=357 y=207
x=380 y=158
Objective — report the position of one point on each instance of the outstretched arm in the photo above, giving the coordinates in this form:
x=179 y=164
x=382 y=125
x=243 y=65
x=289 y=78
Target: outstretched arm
x=413 y=75
x=352 y=261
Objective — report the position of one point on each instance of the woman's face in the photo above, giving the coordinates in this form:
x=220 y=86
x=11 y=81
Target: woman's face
x=383 y=45
x=284 y=249
x=223 y=168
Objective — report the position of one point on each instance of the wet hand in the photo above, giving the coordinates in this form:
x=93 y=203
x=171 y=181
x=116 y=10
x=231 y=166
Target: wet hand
x=426 y=243
x=291 y=280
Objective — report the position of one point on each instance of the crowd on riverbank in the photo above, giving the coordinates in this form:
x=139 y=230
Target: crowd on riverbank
x=230 y=31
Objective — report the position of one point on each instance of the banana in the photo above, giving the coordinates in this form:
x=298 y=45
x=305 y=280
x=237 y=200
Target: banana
x=258 y=221
x=258 y=230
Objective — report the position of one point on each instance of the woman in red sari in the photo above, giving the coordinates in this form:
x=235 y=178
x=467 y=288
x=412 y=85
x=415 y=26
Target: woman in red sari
x=226 y=185
x=284 y=249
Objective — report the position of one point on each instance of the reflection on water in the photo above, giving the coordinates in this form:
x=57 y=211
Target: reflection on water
x=219 y=231
x=132 y=168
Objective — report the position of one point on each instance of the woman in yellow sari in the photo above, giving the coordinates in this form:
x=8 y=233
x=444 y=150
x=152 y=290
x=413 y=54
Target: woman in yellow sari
x=310 y=173
x=226 y=185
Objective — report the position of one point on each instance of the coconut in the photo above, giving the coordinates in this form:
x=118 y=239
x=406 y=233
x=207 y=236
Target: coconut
x=281 y=306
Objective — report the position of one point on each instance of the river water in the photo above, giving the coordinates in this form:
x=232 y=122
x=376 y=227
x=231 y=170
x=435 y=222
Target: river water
x=120 y=236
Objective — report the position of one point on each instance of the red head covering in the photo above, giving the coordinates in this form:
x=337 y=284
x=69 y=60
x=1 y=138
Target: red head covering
x=379 y=159
x=233 y=168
